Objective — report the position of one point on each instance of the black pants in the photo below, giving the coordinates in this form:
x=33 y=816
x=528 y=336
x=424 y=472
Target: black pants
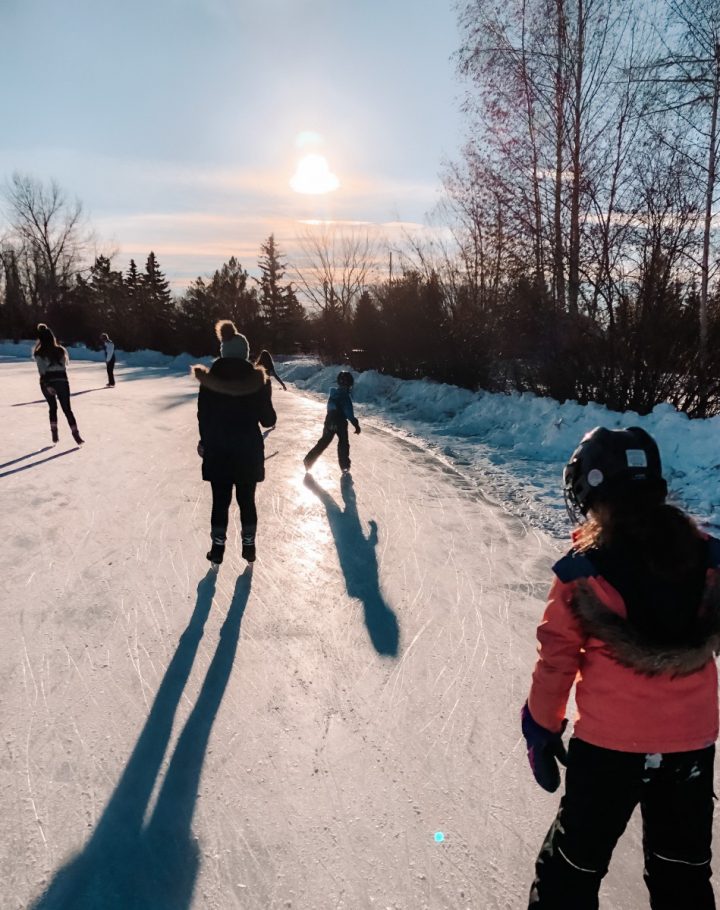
x=602 y=788
x=333 y=426
x=222 y=496
x=56 y=390
x=110 y=364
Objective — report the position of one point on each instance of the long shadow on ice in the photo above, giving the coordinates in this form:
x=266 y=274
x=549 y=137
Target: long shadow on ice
x=128 y=865
x=7 y=464
x=34 y=464
x=22 y=404
x=358 y=561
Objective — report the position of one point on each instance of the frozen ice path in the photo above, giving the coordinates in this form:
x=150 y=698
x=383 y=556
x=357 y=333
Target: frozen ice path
x=291 y=738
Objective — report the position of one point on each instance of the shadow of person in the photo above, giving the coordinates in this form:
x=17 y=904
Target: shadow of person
x=129 y=865
x=22 y=404
x=7 y=464
x=358 y=561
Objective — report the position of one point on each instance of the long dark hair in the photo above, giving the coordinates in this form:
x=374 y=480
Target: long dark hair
x=265 y=360
x=47 y=346
x=659 y=536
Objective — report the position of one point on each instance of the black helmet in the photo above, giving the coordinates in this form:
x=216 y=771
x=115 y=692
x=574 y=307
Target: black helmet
x=608 y=463
x=345 y=378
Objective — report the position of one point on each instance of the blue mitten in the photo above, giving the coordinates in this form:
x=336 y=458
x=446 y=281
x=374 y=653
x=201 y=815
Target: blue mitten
x=545 y=750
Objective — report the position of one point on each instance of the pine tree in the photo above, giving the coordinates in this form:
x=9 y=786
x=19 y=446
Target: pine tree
x=133 y=329
x=367 y=332
x=157 y=308
x=230 y=298
x=282 y=312
x=106 y=297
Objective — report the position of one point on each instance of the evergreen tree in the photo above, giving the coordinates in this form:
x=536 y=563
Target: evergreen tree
x=157 y=308
x=281 y=311
x=367 y=332
x=229 y=297
x=133 y=302
x=106 y=300
x=197 y=318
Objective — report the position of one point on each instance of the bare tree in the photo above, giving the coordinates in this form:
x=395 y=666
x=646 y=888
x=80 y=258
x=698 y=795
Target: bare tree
x=688 y=72
x=47 y=230
x=336 y=268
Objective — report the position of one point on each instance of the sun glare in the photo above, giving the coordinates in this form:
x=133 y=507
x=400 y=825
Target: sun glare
x=313 y=176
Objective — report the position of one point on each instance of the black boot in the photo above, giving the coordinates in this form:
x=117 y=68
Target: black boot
x=248 y=543
x=217 y=551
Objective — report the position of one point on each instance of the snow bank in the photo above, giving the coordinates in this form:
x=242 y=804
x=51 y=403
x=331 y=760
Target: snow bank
x=154 y=359
x=517 y=443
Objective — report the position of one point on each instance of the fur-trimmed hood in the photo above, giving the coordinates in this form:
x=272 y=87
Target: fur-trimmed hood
x=254 y=379
x=630 y=648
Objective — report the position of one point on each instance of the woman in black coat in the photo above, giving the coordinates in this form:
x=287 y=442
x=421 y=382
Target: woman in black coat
x=234 y=400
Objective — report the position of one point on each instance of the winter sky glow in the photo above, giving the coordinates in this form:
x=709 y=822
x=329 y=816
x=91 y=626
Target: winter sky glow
x=197 y=127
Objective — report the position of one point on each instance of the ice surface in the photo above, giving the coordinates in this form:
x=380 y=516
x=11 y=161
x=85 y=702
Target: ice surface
x=175 y=738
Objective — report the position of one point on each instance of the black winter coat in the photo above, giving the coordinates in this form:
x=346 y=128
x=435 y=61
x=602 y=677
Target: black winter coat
x=234 y=398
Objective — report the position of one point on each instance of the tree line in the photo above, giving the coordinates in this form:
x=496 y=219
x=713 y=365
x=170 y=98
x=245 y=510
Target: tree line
x=576 y=254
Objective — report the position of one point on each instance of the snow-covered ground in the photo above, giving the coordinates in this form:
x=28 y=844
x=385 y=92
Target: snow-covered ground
x=294 y=737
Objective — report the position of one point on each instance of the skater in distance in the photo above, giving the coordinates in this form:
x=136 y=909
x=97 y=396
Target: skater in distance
x=268 y=364
x=339 y=412
x=633 y=620
x=52 y=361
x=109 y=349
x=235 y=398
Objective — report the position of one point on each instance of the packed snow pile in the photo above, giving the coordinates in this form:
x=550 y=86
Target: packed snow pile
x=520 y=442
x=513 y=445
x=181 y=363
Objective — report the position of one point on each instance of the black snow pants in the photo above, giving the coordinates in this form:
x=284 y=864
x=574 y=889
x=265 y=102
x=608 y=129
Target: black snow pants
x=222 y=491
x=56 y=390
x=110 y=364
x=602 y=788
x=334 y=425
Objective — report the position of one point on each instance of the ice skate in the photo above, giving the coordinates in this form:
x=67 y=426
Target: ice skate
x=248 y=552
x=54 y=432
x=77 y=437
x=216 y=553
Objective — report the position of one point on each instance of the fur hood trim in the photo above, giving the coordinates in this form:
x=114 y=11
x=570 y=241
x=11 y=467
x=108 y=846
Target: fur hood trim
x=252 y=383
x=631 y=649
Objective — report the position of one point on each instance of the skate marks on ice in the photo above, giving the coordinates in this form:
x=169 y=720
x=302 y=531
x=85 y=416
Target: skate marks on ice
x=34 y=464
x=359 y=564
x=131 y=865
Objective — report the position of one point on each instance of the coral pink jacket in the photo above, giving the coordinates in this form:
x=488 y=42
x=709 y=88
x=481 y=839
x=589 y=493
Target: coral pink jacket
x=617 y=706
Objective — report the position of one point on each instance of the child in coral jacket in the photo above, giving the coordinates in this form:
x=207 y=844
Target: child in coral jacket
x=633 y=620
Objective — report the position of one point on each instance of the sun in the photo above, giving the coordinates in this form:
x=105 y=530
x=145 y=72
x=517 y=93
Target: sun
x=313 y=176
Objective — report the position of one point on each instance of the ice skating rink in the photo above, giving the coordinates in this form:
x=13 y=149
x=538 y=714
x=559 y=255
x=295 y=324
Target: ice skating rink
x=298 y=736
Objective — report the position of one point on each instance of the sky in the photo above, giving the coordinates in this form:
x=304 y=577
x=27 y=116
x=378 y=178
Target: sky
x=179 y=124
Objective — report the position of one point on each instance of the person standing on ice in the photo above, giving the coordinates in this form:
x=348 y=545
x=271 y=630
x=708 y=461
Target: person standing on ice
x=235 y=398
x=52 y=360
x=339 y=412
x=109 y=349
x=268 y=364
x=633 y=619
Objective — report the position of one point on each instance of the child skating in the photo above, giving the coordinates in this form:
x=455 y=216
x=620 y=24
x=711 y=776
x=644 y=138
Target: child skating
x=339 y=413
x=52 y=360
x=633 y=620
